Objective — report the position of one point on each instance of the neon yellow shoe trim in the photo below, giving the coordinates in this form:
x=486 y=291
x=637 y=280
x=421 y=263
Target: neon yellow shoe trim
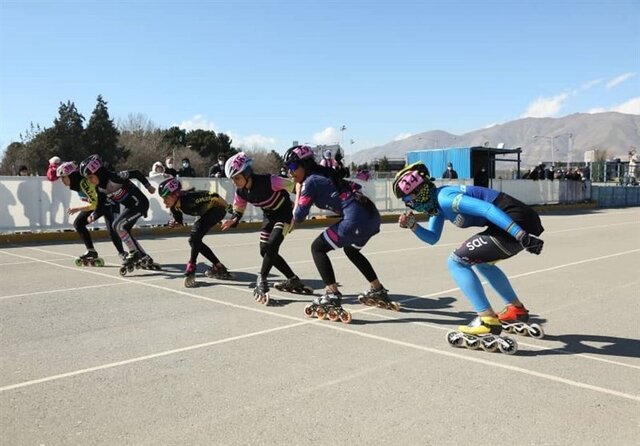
x=481 y=326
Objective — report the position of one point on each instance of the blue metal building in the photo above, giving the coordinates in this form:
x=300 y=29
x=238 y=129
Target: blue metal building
x=467 y=161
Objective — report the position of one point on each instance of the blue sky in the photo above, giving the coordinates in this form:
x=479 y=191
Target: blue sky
x=270 y=72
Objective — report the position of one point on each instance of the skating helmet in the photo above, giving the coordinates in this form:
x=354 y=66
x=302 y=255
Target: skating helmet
x=410 y=178
x=90 y=165
x=415 y=179
x=66 y=169
x=237 y=164
x=169 y=186
x=297 y=155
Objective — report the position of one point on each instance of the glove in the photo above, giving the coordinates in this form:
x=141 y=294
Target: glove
x=174 y=223
x=407 y=220
x=532 y=244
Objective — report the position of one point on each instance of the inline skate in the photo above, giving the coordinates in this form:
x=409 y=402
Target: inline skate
x=378 y=298
x=261 y=291
x=218 y=272
x=482 y=332
x=146 y=262
x=130 y=263
x=329 y=305
x=89 y=258
x=514 y=320
x=294 y=285
x=190 y=275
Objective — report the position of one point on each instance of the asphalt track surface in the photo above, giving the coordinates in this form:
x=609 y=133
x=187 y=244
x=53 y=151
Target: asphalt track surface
x=89 y=357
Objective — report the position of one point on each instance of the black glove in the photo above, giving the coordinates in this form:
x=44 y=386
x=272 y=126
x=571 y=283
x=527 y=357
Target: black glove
x=532 y=244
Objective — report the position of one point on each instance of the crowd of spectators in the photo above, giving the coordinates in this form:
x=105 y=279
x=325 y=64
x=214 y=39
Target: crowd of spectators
x=542 y=172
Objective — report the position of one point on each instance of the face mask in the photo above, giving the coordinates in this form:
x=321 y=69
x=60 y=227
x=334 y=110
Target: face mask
x=220 y=162
x=185 y=165
x=170 y=165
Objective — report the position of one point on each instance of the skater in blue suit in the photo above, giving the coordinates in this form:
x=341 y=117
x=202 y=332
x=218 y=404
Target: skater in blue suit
x=511 y=227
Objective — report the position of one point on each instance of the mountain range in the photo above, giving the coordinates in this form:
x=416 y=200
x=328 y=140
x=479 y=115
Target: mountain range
x=611 y=134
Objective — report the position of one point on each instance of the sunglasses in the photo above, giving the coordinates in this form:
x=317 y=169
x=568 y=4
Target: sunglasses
x=291 y=166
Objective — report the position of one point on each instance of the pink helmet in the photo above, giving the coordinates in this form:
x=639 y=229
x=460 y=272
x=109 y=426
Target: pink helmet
x=298 y=153
x=90 y=165
x=169 y=186
x=66 y=169
x=238 y=163
x=410 y=178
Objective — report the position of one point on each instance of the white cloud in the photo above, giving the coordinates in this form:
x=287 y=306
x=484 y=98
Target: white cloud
x=590 y=84
x=403 y=136
x=197 y=122
x=620 y=79
x=545 y=107
x=254 y=141
x=327 y=136
x=632 y=107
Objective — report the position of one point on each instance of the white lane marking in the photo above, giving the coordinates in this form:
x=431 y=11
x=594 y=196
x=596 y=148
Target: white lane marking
x=145 y=358
x=80 y=288
x=328 y=326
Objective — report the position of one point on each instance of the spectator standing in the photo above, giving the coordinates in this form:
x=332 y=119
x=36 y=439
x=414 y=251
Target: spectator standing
x=217 y=170
x=158 y=172
x=23 y=171
x=54 y=162
x=170 y=169
x=186 y=170
x=450 y=173
x=327 y=160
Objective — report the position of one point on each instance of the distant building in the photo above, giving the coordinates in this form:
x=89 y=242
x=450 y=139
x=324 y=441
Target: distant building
x=468 y=161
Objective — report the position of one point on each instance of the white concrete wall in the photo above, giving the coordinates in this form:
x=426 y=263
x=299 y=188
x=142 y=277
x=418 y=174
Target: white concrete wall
x=36 y=204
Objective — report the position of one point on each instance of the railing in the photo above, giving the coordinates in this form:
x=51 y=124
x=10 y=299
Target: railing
x=36 y=204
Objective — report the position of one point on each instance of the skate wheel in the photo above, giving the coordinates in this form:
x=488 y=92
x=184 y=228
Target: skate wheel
x=265 y=299
x=489 y=345
x=123 y=271
x=130 y=268
x=345 y=317
x=508 y=346
x=333 y=315
x=395 y=306
x=362 y=300
x=507 y=327
x=535 y=331
x=308 y=311
x=78 y=262
x=189 y=281
x=381 y=304
x=454 y=339
x=472 y=343
x=320 y=313
x=100 y=262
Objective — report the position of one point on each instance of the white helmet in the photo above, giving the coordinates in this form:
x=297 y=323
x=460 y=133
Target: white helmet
x=237 y=164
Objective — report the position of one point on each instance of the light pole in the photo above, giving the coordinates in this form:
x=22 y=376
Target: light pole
x=342 y=129
x=552 y=139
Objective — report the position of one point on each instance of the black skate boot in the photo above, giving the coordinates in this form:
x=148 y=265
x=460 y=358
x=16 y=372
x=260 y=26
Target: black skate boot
x=219 y=272
x=89 y=258
x=294 y=285
x=261 y=291
x=130 y=262
x=330 y=305
x=146 y=262
x=378 y=298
